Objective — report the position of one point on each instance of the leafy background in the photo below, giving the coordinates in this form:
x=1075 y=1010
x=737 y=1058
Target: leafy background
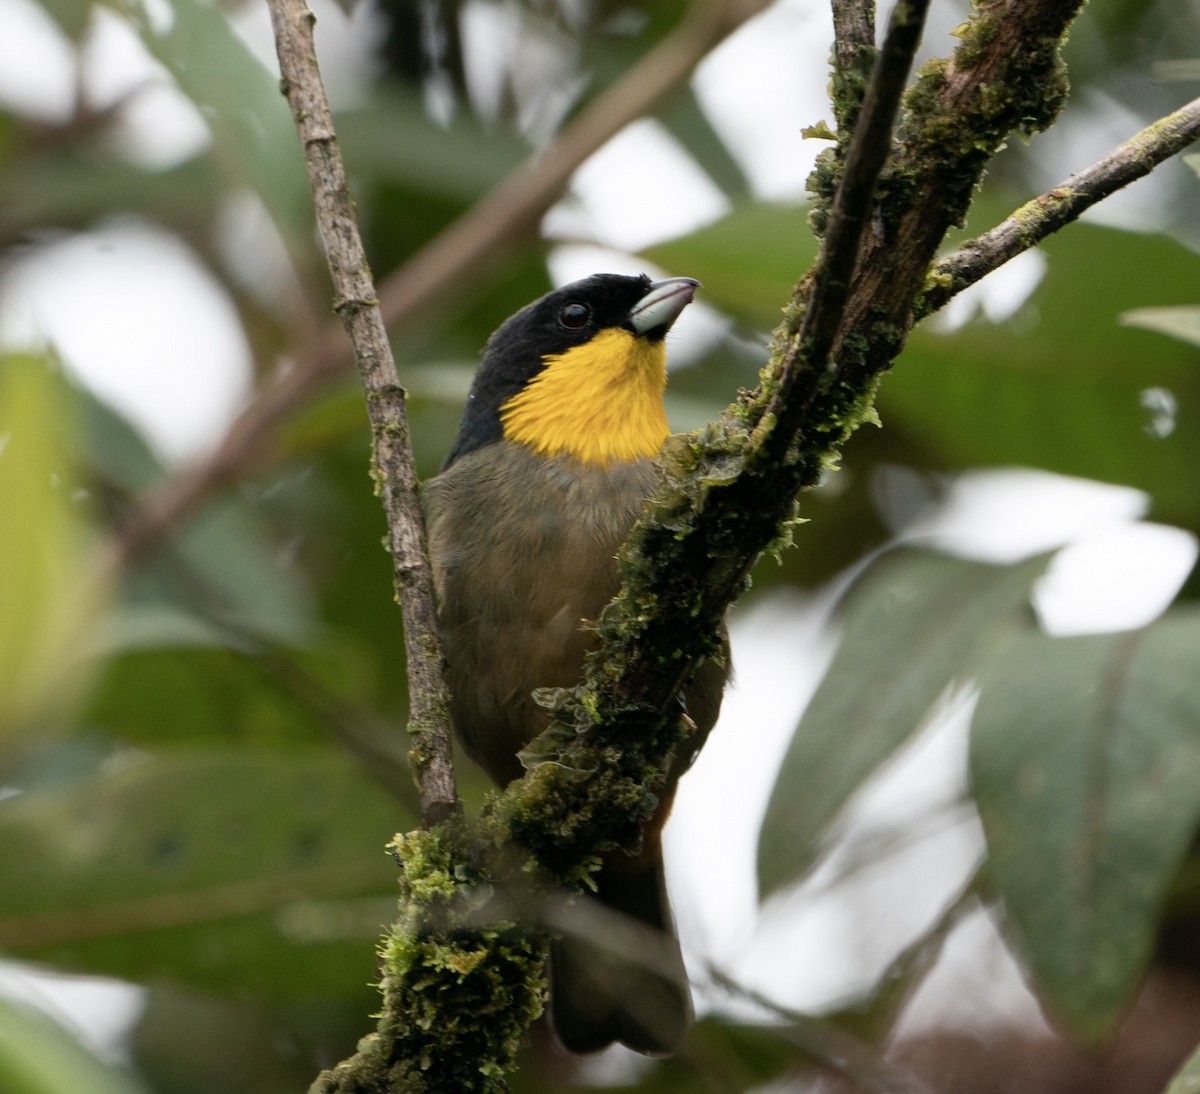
x=200 y=764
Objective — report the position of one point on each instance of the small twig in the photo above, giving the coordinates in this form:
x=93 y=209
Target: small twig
x=1060 y=205
x=870 y=146
x=831 y=1046
x=456 y=256
x=395 y=477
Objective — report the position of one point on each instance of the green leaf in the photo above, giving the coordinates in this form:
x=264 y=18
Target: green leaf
x=1182 y=322
x=73 y=17
x=1085 y=758
x=393 y=138
x=1187 y=1079
x=1060 y=384
x=688 y=123
x=48 y=604
x=233 y=871
x=38 y=1056
x=75 y=187
x=202 y=695
x=253 y=136
x=748 y=260
x=912 y=623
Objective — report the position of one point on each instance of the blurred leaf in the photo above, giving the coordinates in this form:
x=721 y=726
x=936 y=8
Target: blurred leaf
x=393 y=138
x=1187 y=1079
x=1193 y=161
x=195 y=1042
x=48 y=597
x=686 y=120
x=913 y=623
x=222 y=572
x=720 y=1054
x=204 y=696
x=235 y=871
x=253 y=137
x=38 y=1056
x=1181 y=322
x=73 y=17
x=1059 y=385
x=76 y=186
x=748 y=260
x=1085 y=758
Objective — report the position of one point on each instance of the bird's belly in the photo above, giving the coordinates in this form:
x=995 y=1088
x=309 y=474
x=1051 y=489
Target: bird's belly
x=523 y=550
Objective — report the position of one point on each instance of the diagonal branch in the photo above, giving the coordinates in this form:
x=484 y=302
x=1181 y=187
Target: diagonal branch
x=393 y=469
x=831 y=1046
x=870 y=146
x=1061 y=204
x=454 y=258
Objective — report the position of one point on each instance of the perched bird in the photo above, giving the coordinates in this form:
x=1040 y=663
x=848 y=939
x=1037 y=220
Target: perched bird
x=553 y=462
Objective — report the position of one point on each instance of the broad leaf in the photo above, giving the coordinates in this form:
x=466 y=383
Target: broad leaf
x=251 y=871
x=1061 y=384
x=748 y=260
x=38 y=1056
x=912 y=623
x=1085 y=758
x=48 y=601
x=1182 y=322
x=253 y=137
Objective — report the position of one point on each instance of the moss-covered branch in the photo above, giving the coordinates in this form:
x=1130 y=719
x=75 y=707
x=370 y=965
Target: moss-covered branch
x=1061 y=204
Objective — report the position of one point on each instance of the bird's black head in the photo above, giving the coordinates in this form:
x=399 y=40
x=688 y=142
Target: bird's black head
x=552 y=326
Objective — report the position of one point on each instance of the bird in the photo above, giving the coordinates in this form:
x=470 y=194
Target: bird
x=553 y=463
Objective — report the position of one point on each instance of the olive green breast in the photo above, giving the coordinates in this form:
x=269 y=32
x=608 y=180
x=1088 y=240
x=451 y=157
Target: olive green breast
x=523 y=550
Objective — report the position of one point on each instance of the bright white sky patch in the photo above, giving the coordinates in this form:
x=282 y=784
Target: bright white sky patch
x=1118 y=578
x=1005 y=514
x=765 y=83
x=139 y=319
x=997 y=296
x=36 y=63
x=641 y=188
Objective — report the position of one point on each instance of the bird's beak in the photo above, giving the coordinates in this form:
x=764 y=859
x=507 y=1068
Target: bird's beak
x=660 y=307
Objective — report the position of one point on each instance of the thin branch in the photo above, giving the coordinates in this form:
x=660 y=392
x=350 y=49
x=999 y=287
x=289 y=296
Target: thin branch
x=453 y=259
x=870 y=146
x=830 y=1046
x=395 y=477
x=1062 y=204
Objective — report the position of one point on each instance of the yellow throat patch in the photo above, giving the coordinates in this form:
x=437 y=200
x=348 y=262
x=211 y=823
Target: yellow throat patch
x=598 y=402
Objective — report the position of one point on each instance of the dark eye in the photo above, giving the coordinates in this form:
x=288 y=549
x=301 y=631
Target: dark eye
x=574 y=316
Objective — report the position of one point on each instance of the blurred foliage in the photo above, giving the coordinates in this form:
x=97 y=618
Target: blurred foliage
x=37 y=1056
x=197 y=781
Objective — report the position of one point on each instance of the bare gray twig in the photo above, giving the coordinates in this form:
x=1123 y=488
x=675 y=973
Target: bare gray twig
x=831 y=1046
x=394 y=473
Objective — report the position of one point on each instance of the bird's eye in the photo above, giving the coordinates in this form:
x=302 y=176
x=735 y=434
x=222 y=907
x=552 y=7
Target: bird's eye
x=574 y=316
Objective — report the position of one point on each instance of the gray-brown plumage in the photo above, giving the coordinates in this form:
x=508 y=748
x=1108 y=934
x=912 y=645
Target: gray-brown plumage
x=523 y=543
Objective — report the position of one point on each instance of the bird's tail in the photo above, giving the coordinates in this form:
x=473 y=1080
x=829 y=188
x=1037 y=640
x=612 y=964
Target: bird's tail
x=624 y=981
